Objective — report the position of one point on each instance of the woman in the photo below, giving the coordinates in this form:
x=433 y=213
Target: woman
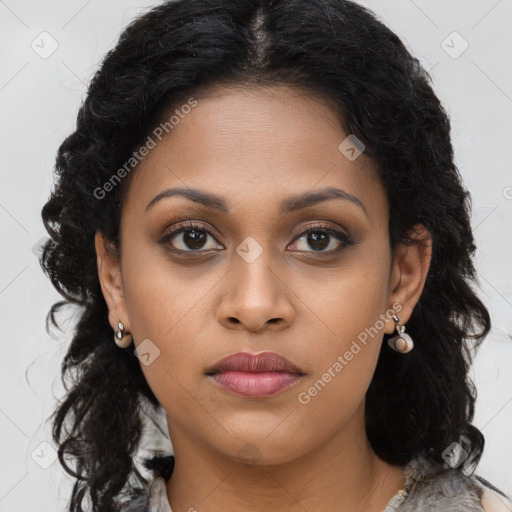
x=260 y=216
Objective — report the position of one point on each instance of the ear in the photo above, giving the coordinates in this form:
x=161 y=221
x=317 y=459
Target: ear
x=409 y=272
x=109 y=273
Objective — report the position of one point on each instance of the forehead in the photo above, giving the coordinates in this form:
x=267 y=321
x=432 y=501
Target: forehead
x=253 y=145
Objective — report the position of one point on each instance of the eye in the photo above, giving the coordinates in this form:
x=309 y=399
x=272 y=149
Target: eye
x=191 y=237
x=321 y=237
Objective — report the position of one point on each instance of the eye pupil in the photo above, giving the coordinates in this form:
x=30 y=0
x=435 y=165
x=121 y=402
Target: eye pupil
x=317 y=237
x=194 y=239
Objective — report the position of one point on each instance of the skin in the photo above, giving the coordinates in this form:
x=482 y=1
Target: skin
x=255 y=147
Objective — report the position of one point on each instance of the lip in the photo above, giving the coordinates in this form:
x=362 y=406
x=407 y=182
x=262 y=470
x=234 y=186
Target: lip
x=255 y=375
x=261 y=362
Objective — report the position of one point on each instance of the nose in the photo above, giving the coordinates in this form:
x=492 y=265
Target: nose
x=256 y=299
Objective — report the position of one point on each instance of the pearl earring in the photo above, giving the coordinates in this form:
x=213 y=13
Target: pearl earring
x=122 y=338
x=401 y=342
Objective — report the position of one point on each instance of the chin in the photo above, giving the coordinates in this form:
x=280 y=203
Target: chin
x=261 y=449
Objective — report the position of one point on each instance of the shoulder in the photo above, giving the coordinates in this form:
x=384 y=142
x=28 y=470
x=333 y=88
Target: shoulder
x=153 y=498
x=158 y=501
x=492 y=501
x=450 y=490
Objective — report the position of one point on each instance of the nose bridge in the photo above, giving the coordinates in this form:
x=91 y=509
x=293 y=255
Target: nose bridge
x=257 y=295
x=253 y=270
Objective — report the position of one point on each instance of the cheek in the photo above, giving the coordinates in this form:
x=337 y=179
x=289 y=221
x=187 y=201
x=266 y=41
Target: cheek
x=351 y=310
x=349 y=302
x=168 y=305
x=162 y=297
x=344 y=360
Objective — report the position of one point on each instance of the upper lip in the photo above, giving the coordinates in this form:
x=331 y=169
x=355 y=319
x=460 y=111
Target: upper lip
x=261 y=362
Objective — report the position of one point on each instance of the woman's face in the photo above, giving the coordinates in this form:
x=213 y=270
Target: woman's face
x=263 y=165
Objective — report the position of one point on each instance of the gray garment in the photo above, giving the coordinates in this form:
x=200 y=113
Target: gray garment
x=426 y=489
x=430 y=490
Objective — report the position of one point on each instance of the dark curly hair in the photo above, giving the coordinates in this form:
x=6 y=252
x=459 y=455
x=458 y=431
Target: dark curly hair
x=337 y=50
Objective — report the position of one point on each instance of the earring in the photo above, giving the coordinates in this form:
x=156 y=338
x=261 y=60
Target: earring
x=122 y=338
x=401 y=342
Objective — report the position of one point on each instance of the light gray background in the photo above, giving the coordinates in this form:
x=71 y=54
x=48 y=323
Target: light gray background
x=39 y=99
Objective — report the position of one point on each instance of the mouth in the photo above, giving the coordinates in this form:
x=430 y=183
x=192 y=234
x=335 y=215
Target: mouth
x=254 y=363
x=255 y=375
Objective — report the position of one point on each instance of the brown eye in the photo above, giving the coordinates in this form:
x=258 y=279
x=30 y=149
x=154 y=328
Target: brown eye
x=320 y=238
x=189 y=238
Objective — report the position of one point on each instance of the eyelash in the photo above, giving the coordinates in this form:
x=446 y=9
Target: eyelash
x=345 y=240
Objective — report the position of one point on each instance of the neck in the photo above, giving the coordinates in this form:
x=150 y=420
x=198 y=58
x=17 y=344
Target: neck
x=343 y=473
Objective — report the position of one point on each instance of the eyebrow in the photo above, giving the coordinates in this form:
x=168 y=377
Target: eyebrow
x=290 y=204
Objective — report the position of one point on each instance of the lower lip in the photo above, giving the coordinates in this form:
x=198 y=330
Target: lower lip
x=255 y=384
